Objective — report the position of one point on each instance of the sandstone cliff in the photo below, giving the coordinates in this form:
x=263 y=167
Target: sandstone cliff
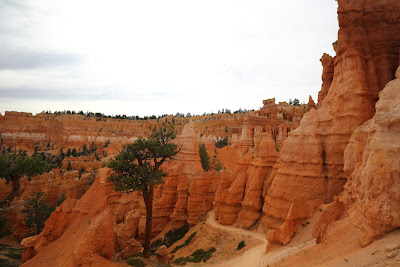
x=373 y=167
x=184 y=197
x=240 y=196
x=312 y=159
x=71 y=235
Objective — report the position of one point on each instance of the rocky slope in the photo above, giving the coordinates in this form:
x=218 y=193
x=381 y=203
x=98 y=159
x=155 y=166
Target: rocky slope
x=240 y=195
x=373 y=167
x=311 y=167
x=184 y=197
x=341 y=159
x=57 y=134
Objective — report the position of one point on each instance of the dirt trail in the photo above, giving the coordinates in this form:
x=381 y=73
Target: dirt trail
x=253 y=256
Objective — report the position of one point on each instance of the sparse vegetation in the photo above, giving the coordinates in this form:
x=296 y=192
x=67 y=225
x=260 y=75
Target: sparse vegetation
x=99 y=115
x=3 y=231
x=15 y=166
x=36 y=211
x=92 y=177
x=241 y=245
x=61 y=199
x=10 y=252
x=221 y=142
x=107 y=143
x=69 y=167
x=187 y=242
x=137 y=168
x=196 y=257
x=295 y=102
x=137 y=262
x=204 y=158
x=218 y=166
x=170 y=238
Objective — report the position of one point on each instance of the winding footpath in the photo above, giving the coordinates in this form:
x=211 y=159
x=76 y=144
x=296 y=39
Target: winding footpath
x=252 y=257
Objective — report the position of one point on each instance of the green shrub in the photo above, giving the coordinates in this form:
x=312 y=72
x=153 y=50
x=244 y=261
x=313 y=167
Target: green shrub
x=204 y=158
x=221 y=142
x=61 y=199
x=209 y=253
x=136 y=262
x=156 y=244
x=187 y=242
x=139 y=254
x=36 y=211
x=92 y=177
x=10 y=252
x=173 y=236
x=181 y=260
x=196 y=257
x=218 y=166
x=2 y=223
x=241 y=245
x=170 y=238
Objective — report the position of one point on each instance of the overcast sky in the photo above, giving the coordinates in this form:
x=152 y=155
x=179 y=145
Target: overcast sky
x=156 y=57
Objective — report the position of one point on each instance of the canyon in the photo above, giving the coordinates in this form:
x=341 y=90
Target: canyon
x=321 y=178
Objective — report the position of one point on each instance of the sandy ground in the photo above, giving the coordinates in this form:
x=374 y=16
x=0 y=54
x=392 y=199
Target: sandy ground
x=10 y=240
x=5 y=259
x=225 y=239
x=252 y=256
x=341 y=248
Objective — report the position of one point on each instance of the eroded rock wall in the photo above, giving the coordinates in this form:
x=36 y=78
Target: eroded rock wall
x=239 y=197
x=367 y=57
x=373 y=167
x=185 y=196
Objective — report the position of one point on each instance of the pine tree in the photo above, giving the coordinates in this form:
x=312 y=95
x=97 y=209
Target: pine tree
x=137 y=168
x=204 y=158
x=36 y=211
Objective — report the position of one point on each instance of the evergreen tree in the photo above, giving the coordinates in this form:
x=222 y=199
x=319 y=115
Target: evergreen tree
x=36 y=211
x=13 y=167
x=74 y=153
x=137 y=168
x=62 y=155
x=204 y=158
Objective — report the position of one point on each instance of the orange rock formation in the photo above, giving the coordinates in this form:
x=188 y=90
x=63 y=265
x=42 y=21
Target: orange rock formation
x=185 y=196
x=240 y=195
x=312 y=158
x=373 y=167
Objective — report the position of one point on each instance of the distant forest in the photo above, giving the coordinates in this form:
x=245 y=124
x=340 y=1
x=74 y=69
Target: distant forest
x=152 y=117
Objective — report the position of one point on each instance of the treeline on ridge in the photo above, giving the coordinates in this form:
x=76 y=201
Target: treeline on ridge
x=136 y=117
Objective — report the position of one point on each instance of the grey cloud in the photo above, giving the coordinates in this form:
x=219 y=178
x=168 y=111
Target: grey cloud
x=16 y=41
x=41 y=94
x=28 y=59
x=69 y=94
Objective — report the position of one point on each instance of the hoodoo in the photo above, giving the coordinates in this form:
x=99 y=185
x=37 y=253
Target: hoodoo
x=314 y=184
x=311 y=166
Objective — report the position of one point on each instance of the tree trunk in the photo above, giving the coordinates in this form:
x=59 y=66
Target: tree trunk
x=148 y=200
x=7 y=201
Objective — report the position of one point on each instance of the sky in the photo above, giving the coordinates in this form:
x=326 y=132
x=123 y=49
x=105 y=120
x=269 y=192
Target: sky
x=161 y=57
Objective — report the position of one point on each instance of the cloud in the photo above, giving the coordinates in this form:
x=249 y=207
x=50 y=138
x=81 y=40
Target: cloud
x=20 y=45
x=66 y=94
x=18 y=58
x=155 y=57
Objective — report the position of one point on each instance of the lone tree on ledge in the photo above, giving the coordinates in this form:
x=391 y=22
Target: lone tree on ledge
x=13 y=167
x=137 y=168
